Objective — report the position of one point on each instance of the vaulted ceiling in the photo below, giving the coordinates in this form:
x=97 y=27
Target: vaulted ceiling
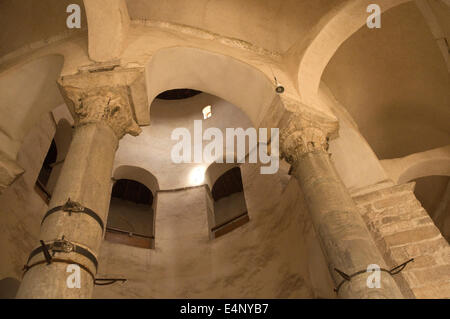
x=395 y=83
x=394 y=80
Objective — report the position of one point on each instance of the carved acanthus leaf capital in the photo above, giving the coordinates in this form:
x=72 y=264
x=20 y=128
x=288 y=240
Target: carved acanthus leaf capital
x=110 y=105
x=302 y=133
x=307 y=140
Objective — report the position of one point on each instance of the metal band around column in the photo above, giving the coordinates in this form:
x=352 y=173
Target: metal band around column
x=74 y=207
x=392 y=272
x=60 y=246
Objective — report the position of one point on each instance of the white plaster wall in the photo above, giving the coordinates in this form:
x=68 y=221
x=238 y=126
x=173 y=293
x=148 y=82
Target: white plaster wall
x=355 y=161
x=151 y=150
x=275 y=255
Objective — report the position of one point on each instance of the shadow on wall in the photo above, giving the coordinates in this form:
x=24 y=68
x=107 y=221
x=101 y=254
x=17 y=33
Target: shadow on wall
x=38 y=79
x=226 y=205
x=433 y=192
x=8 y=288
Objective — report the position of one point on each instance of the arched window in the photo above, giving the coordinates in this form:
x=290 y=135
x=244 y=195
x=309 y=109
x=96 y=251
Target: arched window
x=45 y=172
x=230 y=208
x=131 y=215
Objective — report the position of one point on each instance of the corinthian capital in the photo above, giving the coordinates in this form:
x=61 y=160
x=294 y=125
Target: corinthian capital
x=302 y=132
x=104 y=104
x=106 y=97
x=307 y=140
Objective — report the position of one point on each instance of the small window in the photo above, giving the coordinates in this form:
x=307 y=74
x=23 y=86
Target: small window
x=131 y=216
x=207 y=112
x=45 y=172
x=230 y=208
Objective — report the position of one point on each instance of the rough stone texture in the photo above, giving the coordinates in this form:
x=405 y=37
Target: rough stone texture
x=104 y=104
x=403 y=230
x=105 y=96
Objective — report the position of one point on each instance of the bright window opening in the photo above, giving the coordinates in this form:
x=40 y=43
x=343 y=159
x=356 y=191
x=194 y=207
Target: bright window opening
x=207 y=113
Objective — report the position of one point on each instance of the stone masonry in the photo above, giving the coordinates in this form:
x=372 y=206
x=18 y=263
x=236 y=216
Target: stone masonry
x=402 y=230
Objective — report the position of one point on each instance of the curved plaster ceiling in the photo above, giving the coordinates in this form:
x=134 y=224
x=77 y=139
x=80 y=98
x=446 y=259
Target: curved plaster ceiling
x=271 y=24
x=394 y=82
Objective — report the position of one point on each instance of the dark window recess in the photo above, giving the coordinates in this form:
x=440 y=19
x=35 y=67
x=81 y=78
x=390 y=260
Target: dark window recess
x=46 y=171
x=228 y=184
x=178 y=94
x=131 y=218
x=132 y=191
x=230 y=209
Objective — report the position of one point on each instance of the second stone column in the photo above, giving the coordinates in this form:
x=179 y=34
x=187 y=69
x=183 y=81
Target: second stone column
x=343 y=235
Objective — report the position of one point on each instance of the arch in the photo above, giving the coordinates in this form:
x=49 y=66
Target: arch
x=427 y=167
x=216 y=74
x=27 y=91
x=408 y=168
x=215 y=170
x=311 y=58
x=137 y=174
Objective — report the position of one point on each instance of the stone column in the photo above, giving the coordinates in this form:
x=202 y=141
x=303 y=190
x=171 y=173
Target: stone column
x=103 y=115
x=343 y=235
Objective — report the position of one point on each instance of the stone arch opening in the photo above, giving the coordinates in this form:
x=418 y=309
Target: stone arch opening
x=311 y=58
x=423 y=167
x=399 y=105
x=216 y=74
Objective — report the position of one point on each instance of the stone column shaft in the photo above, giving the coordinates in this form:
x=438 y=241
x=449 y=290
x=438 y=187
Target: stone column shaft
x=86 y=179
x=103 y=116
x=343 y=235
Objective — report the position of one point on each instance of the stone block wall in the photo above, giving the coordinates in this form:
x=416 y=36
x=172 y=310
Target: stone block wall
x=402 y=230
